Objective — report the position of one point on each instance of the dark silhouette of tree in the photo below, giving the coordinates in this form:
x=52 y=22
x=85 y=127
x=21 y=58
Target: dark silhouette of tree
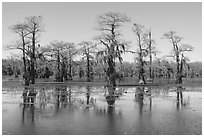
x=47 y=72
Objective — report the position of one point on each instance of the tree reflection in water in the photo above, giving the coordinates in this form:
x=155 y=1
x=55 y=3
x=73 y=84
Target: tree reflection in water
x=29 y=97
x=181 y=101
x=111 y=95
x=71 y=107
x=110 y=99
x=87 y=95
x=62 y=97
x=140 y=94
x=42 y=99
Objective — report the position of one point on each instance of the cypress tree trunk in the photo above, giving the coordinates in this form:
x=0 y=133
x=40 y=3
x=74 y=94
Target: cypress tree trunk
x=150 y=56
x=64 y=71
x=58 y=77
x=88 y=70
x=33 y=60
x=178 y=74
x=111 y=73
x=70 y=69
x=26 y=77
x=141 y=68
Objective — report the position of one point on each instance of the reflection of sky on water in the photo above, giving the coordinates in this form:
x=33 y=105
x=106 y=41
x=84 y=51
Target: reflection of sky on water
x=99 y=110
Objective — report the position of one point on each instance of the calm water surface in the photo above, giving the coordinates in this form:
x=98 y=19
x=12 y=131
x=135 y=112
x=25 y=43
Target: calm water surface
x=60 y=109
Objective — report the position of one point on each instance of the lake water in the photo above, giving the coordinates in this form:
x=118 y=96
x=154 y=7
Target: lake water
x=61 y=109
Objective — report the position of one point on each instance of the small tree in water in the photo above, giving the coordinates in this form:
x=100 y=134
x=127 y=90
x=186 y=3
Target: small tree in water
x=108 y=25
x=87 y=50
x=34 y=28
x=21 y=30
x=178 y=53
x=142 y=52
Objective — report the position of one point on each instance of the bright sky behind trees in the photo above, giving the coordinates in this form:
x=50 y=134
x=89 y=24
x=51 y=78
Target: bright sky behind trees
x=76 y=22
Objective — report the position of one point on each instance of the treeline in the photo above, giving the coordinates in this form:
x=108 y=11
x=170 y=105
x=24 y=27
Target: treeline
x=161 y=69
x=101 y=57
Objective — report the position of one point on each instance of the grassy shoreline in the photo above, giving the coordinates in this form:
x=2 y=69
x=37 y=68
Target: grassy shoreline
x=8 y=81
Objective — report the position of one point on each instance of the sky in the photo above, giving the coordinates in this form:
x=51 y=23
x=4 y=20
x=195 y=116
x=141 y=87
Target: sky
x=76 y=22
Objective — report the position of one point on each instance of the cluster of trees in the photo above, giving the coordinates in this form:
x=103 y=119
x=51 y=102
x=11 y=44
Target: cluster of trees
x=14 y=66
x=11 y=66
x=102 y=57
x=161 y=68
